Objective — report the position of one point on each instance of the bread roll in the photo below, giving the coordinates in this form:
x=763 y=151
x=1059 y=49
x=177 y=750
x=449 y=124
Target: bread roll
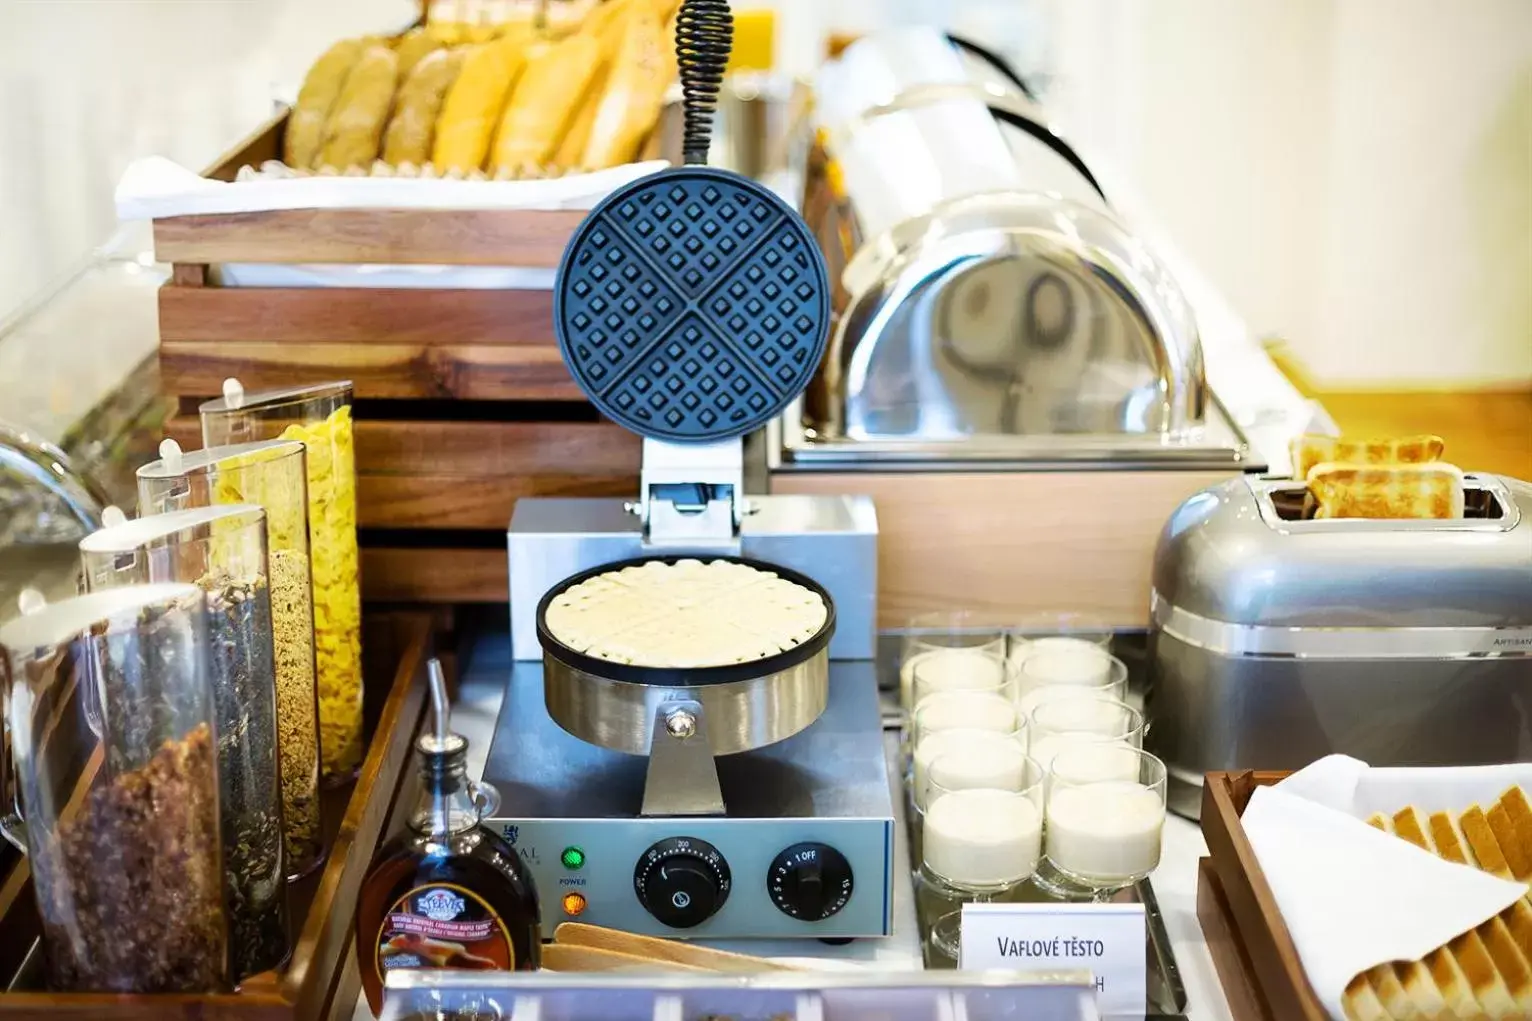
x=412 y=126
x=1309 y=450
x=630 y=103
x=474 y=102
x=544 y=102
x=1398 y=492
x=321 y=88
x=354 y=132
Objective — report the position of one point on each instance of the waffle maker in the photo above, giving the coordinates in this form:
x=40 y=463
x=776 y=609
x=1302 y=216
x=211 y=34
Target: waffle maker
x=750 y=800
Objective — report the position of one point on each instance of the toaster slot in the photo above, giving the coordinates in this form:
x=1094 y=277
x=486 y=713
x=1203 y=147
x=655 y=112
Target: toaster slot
x=1287 y=505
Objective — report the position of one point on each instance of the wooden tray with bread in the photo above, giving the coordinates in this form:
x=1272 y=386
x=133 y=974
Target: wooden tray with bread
x=1481 y=973
x=464 y=404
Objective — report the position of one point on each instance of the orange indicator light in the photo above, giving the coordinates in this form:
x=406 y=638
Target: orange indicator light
x=574 y=904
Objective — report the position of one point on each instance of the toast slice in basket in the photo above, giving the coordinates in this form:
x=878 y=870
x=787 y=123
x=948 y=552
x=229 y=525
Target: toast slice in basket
x=1311 y=449
x=1405 y=491
x=1484 y=973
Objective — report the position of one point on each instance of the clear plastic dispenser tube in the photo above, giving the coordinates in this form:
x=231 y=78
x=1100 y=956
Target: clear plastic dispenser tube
x=110 y=717
x=222 y=550
x=273 y=476
x=320 y=417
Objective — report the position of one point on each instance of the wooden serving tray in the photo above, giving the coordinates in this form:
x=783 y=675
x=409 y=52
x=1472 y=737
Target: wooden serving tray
x=464 y=405
x=1249 y=942
x=321 y=980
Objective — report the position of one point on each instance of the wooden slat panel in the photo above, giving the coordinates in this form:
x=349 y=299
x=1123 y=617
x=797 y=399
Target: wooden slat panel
x=356 y=315
x=378 y=370
x=1014 y=543
x=578 y=449
x=435 y=575
x=443 y=501
x=457 y=237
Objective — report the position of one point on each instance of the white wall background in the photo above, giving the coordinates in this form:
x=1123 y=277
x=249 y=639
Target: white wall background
x=1356 y=175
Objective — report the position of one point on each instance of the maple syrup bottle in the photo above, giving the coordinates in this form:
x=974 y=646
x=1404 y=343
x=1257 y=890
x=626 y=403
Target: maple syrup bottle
x=447 y=893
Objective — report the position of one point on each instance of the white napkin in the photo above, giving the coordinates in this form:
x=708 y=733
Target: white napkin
x=1355 y=897
x=155 y=186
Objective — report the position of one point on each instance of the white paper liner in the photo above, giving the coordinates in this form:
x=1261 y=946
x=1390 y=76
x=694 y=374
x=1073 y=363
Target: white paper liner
x=156 y=187
x=1354 y=897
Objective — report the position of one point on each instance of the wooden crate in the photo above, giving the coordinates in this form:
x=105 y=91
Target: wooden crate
x=1250 y=944
x=320 y=980
x=464 y=404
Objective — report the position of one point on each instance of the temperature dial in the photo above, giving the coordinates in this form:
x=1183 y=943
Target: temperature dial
x=682 y=881
x=809 y=881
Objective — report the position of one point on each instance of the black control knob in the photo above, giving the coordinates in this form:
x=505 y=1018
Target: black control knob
x=682 y=881
x=809 y=881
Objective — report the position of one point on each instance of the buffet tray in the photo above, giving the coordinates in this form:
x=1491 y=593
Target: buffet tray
x=1251 y=947
x=320 y=980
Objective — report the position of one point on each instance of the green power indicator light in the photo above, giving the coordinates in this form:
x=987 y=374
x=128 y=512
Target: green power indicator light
x=572 y=858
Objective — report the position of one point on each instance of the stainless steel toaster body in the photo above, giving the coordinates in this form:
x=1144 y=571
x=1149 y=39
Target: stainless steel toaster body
x=1278 y=639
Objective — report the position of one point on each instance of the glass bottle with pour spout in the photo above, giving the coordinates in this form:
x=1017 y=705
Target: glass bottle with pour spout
x=272 y=475
x=110 y=722
x=222 y=550
x=447 y=893
x=320 y=417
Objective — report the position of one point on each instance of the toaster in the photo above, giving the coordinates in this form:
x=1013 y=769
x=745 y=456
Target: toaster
x=1277 y=638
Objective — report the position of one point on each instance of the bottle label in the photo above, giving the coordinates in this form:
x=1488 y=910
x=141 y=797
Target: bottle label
x=444 y=926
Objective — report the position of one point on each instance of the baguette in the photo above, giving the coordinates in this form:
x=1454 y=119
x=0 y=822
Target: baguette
x=413 y=47
x=354 y=132
x=1411 y=491
x=629 y=106
x=571 y=151
x=412 y=127
x=544 y=101
x=311 y=112
x=474 y=102
x=1310 y=449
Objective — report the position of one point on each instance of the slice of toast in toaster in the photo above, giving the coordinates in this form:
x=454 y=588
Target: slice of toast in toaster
x=1310 y=449
x=1506 y=951
x=1398 y=492
x=1463 y=968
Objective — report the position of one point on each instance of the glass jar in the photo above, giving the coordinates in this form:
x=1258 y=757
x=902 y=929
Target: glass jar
x=272 y=475
x=111 y=726
x=320 y=417
x=222 y=550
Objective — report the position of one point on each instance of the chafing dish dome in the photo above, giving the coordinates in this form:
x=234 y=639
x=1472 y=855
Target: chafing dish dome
x=1008 y=314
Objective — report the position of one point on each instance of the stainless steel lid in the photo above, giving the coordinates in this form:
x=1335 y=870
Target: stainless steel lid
x=1010 y=314
x=1240 y=553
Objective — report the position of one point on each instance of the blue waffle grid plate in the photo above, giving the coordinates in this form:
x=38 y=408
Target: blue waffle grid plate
x=692 y=305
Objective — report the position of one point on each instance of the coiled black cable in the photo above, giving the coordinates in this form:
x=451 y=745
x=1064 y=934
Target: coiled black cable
x=704 y=39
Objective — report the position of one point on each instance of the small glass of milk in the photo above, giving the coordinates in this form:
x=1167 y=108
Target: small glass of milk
x=950 y=635
x=1083 y=719
x=938 y=673
x=982 y=828
x=1056 y=631
x=1046 y=665
x=973 y=756
x=1031 y=693
x=1105 y=814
